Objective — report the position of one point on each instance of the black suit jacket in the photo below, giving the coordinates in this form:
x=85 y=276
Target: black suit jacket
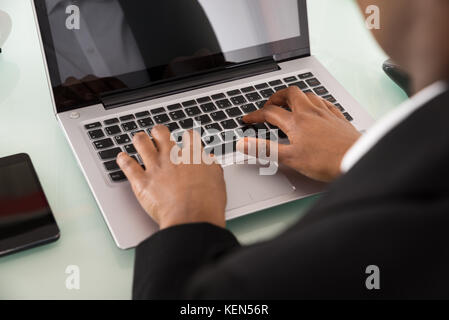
x=391 y=210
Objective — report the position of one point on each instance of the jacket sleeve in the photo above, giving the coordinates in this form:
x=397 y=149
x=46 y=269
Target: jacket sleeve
x=167 y=261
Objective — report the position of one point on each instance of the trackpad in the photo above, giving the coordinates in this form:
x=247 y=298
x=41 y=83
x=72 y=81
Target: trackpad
x=245 y=185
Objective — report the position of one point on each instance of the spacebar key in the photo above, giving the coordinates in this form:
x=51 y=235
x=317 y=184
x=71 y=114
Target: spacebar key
x=109 y=154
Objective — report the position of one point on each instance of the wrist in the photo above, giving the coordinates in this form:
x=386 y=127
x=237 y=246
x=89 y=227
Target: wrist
x=181 y=218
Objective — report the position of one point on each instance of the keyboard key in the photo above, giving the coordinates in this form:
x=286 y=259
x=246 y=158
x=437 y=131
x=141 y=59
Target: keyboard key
x=261 y=104
x=267 y=93
x=305 y=75
x=177 y=115
x=187 y=123
x=321 y=91
x=238 y=100
x=279 y=88
x=111 y=131
x=211 y=140
x=219 y=96
x=301 y=85
x=229 y=136
x=203 y=119
x=223 y=104
x=213 y=127
x=193 y=111
x=348 y=116
x=96 y=134
x=275 y=83
x=157 y=111
x=189 y=103
x=111 y=165
x=136 y=132
x=260 y=127
x=130 y=149
x=229 y=124
x=290 y=79
x=111 y=121
x=281 y=134
x=234 y=112
x=203 y=100
x=261 y=86
x=129 y=126
x=103 y=144
x=117 y=176
x=144 y=123
x=208 y=107
x=247 y=131
x=330 y=98
x=234 y=93
x=218 y=116
x=93 y=125
x=161 y=118
x=127 y=118
x=253 y=96
x=307 y=91
x=122 y=139
x=109 y=154
x=172 y=126
x=313 y=82
x=248 y=89
x=174 y=107
x=339 y=106
x=239 y=121
x=248 y=108
x=142 y=114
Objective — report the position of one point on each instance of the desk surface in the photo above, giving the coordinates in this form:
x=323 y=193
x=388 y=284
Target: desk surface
x=339 y=39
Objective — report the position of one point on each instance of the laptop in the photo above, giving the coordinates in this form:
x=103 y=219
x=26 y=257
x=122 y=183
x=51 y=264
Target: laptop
x=118 y=67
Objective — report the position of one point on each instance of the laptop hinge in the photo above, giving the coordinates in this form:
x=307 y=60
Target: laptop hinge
x=116 y=100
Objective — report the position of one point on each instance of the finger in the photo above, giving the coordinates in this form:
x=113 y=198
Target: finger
x=132 y=170
x=272 y=114
x=263 y=149
x=316 y=100
x=334 y=110
x=162 y=136
x=192 y=144
x=292 y=97
x=146 y=149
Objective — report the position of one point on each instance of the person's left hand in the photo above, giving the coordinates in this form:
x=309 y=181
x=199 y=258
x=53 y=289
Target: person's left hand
x=174 y=194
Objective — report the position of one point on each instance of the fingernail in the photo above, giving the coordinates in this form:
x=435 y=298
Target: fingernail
x=120 y=157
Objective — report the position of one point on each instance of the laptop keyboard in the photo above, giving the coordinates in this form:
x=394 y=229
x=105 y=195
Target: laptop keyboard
x=218 y=117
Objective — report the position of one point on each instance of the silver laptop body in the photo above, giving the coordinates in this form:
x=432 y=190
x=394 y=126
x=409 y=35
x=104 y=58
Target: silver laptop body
x=248 y=190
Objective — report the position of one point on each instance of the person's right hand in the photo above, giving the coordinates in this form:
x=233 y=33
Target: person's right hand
x=318 y=132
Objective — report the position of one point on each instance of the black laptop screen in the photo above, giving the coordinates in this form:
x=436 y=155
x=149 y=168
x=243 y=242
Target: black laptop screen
x=94 y=47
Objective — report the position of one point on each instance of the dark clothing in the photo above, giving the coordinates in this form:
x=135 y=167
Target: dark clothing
x=391 y=210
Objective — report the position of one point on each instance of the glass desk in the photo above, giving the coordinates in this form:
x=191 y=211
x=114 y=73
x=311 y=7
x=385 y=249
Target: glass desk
x=27 y=124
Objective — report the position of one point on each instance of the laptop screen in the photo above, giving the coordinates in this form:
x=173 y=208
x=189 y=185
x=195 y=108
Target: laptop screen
x=94 y=47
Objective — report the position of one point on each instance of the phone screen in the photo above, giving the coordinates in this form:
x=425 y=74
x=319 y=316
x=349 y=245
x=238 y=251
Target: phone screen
x=26 y=219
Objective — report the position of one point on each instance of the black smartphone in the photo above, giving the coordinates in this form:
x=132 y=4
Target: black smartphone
x=26 y=219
